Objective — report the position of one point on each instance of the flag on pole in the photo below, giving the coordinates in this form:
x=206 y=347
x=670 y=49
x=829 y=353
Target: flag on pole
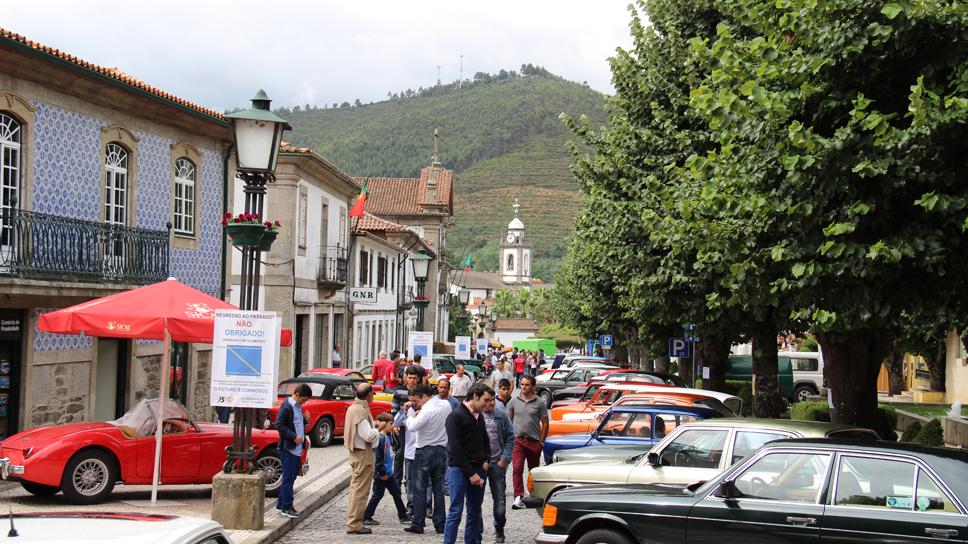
x=467 y=265
x=357 y=209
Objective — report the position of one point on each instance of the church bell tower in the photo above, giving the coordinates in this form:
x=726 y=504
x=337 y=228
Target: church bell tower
x=516 y=253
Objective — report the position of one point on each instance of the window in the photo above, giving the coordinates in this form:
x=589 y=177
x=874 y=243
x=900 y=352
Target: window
x=930 y=498
x=364 y=268
x=805 y=365
x=790 y=477
x=527 y=258
x=381 y=272
x=344 y=392
x=116 y=185
x=663 y=424
x=184 y=208
x=869 y=482
x=11 y=136
x=749 y=441
x=700 y=448
x=303 y=221
x=509 y=267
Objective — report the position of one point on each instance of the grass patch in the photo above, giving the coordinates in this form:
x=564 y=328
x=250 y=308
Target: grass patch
x=930 y=410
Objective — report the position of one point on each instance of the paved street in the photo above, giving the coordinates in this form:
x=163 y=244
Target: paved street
x=328 y=525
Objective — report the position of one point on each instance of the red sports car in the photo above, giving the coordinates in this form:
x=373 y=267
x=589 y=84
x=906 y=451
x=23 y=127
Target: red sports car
x=326 y=410
x=354 y=375
x=85 y=460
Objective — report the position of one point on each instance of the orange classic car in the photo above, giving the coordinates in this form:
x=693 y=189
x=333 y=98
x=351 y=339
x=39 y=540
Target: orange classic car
x=608 y=394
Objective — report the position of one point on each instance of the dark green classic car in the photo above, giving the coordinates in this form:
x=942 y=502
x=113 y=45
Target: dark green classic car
x=790 y=492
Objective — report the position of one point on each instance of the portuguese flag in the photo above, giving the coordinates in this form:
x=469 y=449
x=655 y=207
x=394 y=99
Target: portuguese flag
x=467 y=265
x=357 y=209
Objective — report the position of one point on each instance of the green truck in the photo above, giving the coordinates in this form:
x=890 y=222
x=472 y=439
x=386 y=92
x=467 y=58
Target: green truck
x=549 y=345
x=740 y=368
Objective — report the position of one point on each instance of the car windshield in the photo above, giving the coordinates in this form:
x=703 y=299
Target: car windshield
x=143 y=416
x=590 y=392
x=445 y=366
x=286 y=388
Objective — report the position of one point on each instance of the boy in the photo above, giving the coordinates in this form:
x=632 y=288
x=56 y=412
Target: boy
x=383 y=479
x=504 y=392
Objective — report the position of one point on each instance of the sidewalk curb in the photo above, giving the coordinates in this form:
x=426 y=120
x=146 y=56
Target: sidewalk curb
x=334 y=481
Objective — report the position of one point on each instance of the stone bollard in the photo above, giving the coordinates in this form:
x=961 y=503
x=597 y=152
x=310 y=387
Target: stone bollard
x=238 y=500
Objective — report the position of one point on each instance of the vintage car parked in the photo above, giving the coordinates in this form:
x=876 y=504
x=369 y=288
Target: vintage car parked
x=332 y=396
x=693 y=452
x=634 y=426
x=608 y=394
x=807 y=490
x=356 y=376
x=585 y=391
x=546 y=384
x=114 y=527
x=85 y=460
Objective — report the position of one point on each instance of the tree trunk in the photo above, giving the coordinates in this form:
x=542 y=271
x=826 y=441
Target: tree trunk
x=851 y=365
x=713 y=352
x=661 y=363
x=894 y=362
x=633 y=355
x=767 y=400
x=645 y=362
x=686 y=370
x=936 y=366
x=619 y=353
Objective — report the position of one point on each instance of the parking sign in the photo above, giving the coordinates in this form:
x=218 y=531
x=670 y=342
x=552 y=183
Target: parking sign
x=607 y=341
x=679 y=347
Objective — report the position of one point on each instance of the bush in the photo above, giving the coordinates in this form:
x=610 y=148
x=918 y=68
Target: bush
x=743 y=390
x=809 y=344
x=911 y=432
x=810 y=411
x=932 y=434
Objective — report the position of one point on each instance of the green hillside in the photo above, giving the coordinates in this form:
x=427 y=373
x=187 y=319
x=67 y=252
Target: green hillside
x=502 y=137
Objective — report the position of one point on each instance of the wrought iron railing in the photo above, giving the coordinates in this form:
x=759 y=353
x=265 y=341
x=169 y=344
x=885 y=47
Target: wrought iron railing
x=333 y=265
x=42 y=246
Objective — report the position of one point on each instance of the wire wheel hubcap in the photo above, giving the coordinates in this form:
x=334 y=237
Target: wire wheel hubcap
x=271 y=466
x=325 y=432
x=90 y=477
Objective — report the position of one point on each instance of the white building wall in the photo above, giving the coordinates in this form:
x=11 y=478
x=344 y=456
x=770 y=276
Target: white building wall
x=506 y=337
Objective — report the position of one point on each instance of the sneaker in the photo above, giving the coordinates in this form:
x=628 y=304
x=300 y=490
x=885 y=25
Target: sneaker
x=518 y=503
x=370 y=522
x=499 y=536
x=406 y=519
x=290 y=513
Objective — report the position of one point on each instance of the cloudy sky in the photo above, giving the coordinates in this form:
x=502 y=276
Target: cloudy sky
x=217 y=52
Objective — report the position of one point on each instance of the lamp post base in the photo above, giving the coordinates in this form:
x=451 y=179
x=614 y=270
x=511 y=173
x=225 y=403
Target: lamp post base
x=238 y=500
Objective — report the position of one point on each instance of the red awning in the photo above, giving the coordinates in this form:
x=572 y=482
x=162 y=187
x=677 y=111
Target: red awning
x=145 y=313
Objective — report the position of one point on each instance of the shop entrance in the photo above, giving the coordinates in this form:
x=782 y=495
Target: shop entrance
x=11 y=348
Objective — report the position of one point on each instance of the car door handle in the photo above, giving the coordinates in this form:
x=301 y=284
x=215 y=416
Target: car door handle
x=941 y=532
x=801 y=521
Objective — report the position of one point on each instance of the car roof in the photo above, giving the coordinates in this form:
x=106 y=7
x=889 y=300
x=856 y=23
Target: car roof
x=814 y=429
x=667 y=409
x=319 y=378
x=79 y=527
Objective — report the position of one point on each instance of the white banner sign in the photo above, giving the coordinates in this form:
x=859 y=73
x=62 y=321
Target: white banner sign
x=422 y=344
x=363 y=295
x=462 y=347
x=245 y=359
x=482 y=345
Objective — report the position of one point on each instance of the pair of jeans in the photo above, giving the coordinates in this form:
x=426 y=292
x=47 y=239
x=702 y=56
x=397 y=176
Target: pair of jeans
x=461 y=489
x=429 y=464
x=379 y=488
x=497 y=482
x=408 y=472
x=524 y=450
x=290 y=467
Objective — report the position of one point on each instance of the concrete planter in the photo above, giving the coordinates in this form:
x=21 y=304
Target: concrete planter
x=955 y=431
x=905 y=419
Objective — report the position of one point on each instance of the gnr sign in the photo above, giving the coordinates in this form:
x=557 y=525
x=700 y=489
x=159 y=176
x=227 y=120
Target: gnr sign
x=363 y=295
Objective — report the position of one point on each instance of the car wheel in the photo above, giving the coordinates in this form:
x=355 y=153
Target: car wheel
x=323 y=432
x=603 y=536
x=271 y=465
x=802 y=392
x=89 y=477
x=40 y=490
x=545 y=396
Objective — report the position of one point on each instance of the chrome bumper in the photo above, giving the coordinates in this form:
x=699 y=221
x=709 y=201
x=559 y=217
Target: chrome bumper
x=6 y=469
x=545 y=538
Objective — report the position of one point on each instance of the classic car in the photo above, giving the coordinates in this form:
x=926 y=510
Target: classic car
x=354 y=375
x=546 y=384
x=692 y=452
x=638 y=426
x=85 y=460
x=326 y=409
x=608 y=394
x=585 y=391
x=115 y=527
x=571 y=360
x=586 y=422
x=806 y=490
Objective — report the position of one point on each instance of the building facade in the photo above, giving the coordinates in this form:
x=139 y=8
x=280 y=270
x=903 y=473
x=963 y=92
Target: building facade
x=107 y=184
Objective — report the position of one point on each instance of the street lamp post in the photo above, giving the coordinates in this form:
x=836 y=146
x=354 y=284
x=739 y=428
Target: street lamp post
x=421 y=269
x=258 y=133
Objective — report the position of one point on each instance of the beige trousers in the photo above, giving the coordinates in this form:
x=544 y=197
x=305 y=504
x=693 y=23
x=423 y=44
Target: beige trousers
x=362 y=463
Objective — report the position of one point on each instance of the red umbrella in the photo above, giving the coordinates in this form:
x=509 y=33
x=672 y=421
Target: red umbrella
x=146 y=312
x=165 y=311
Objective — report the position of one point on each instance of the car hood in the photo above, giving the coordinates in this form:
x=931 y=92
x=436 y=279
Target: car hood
x=41 y=437
x=571 y=438
x=611 y=490
x=612 y=452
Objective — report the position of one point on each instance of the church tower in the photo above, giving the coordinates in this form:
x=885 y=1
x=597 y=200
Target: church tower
x=516 y=253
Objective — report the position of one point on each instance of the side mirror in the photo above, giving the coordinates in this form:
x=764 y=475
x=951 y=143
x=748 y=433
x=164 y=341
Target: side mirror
x=727 y=489
x=654 y=459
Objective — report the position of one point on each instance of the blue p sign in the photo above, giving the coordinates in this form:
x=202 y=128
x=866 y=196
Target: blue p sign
x=678 y=347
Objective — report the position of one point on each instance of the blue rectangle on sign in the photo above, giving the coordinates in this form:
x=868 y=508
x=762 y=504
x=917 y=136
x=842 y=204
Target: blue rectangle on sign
x=421 y=350
x=607 y=341
x=243 y=361
x=679 y=347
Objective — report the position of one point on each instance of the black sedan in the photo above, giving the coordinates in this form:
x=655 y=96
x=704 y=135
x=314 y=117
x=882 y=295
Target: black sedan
x=585 y=391
x=790 y=491
x=546 y=384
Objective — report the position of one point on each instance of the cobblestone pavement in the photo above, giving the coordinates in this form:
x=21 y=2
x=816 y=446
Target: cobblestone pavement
x=327 y=525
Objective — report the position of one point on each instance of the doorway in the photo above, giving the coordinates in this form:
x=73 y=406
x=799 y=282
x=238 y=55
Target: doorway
x=111 y=373
x=301 y=345
x=11 y=325
x=178 y=377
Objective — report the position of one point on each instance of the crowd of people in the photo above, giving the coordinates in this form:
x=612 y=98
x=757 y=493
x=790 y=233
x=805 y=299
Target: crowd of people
x=456 y=439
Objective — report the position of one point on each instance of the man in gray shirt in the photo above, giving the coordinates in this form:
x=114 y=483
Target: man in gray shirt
x=529 y=416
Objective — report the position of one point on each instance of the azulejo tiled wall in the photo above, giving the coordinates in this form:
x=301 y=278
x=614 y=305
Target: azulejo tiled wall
x=46 y=341
x=67 y=160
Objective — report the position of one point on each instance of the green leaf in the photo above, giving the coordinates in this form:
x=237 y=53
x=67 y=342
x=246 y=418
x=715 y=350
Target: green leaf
x=891 y=10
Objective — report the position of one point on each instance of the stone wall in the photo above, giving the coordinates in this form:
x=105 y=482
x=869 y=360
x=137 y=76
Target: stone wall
x=201 y=366
x=60 y=393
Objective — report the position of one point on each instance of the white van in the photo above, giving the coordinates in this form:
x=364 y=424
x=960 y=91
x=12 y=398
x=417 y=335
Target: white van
x=807 y=373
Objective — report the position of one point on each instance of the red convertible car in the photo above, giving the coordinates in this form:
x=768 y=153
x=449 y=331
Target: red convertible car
x=86 y=460
x=326 y=410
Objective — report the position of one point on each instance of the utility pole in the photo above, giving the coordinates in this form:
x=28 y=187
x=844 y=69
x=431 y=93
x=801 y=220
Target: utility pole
x=438 y=75
x=460 y=82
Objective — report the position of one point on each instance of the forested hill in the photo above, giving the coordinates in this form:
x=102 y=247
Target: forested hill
x=502 y=136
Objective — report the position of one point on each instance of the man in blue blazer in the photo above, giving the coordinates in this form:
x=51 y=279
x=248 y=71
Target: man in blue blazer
x=292 y=436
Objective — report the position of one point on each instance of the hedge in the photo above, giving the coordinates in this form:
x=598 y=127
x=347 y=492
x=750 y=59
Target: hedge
x=932 y=434
x=911 y=432
x=819 y=411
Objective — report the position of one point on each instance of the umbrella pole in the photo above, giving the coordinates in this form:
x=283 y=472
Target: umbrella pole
x=164 y=377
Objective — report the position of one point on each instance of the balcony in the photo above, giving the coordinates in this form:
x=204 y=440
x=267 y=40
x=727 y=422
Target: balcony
x=333 y=265
x=50 y=247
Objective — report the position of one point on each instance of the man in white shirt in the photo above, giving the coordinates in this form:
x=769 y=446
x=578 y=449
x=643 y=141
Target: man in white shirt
x=426 y=417
x=460 y=383
x=499 y=373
